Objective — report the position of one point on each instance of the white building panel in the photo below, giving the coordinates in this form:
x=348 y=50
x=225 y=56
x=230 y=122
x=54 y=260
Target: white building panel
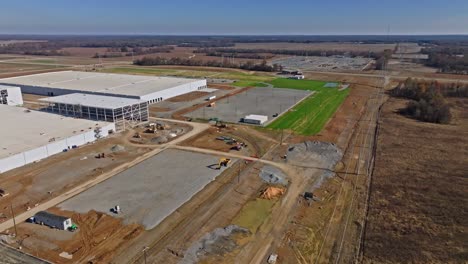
x=10 y=95
x=32 y=135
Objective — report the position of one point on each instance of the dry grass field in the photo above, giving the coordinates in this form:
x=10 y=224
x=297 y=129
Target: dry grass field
x=418 y=195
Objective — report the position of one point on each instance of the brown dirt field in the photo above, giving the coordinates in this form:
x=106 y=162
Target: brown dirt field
x=258 y=142
x=317 y=46
x=187 y=97
x=98 y=238
x=418 y=196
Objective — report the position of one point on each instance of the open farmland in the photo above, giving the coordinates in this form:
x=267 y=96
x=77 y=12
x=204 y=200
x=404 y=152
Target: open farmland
x=417 y=211
x=311 y=115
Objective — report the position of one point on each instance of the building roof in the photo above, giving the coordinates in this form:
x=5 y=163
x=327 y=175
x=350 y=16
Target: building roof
x=93 y=100
x=23 y=129
x=257 y=117
x=4 y=87
x=109 y=83
x=51 y=216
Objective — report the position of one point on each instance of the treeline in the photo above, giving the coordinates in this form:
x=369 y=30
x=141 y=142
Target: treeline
x=153 y=61
x=239 y=55
x=448 y=58
x=291 y=52
x=125 y=51
x=33 y=48
x=428 y=101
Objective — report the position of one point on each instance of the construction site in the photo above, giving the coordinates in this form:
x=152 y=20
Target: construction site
x=106 y=174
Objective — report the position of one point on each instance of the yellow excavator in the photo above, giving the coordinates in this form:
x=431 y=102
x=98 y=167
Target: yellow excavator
x=223 y=162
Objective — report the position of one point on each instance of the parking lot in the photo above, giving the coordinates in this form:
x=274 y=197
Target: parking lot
x=332 y=63
x=150 y=191
x=257 y=101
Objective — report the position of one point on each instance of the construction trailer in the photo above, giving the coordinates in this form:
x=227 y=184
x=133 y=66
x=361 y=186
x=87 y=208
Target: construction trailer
x=10 y=95
x=123 y=112
x=52 y=220
x=255 y=119
x=29 y=136
x=151 y=89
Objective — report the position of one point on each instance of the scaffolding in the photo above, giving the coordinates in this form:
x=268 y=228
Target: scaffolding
x=123 y=116
x=3 y=96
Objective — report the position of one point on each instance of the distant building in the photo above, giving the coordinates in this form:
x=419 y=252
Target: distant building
x=52 y=220
x=10 y=95
x=297 y=77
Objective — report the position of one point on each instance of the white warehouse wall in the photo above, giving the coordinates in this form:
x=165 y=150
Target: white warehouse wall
x=175 y=91
x=14 y=96
x=50 y=149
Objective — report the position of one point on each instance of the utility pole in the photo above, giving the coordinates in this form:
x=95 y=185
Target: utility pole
x=14 y=220
x=144 y=253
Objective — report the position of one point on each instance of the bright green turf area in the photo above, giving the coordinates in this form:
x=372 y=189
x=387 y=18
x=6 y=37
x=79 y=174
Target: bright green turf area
x=310 y=115
x=249 y=84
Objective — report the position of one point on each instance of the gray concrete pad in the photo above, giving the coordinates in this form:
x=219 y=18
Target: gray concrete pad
x=257 y=101
x=150 y=191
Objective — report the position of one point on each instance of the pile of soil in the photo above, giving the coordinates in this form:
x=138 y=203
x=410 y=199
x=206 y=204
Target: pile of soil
x=159 y=140
x=117 y=148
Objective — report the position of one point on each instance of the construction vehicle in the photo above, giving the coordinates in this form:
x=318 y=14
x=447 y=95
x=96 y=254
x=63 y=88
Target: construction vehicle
x=220 y=124
x=73 y=228
x=223 y=162
x=213 y=104
x=151 y=130
x=137 y=135
x=3 y=193
x=237 y=147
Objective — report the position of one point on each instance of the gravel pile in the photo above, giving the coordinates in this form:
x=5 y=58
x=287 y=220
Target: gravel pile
x=273 y=175
x=159 y=140
x=316 y=154
x=117 y=148
x=217 y=242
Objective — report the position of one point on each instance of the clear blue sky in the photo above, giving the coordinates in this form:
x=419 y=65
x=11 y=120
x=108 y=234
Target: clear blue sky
x=176 y=17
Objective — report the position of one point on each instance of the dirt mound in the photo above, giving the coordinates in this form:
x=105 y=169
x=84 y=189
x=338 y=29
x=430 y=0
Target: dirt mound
x=273 y=175
x=272 y=192
x=219 y=242
x=159 y=140
x=117 y=148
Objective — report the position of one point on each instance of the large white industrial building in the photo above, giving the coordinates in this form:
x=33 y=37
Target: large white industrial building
x=124 y=112
x=151 y=89
x=28 y=136
x=10 y=95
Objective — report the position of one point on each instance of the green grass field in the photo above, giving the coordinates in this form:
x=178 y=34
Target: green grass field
x=310 y=115
x=254 y=213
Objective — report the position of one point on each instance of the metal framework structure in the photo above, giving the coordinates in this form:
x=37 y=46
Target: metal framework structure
x=3 y=96
x=123 y=117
